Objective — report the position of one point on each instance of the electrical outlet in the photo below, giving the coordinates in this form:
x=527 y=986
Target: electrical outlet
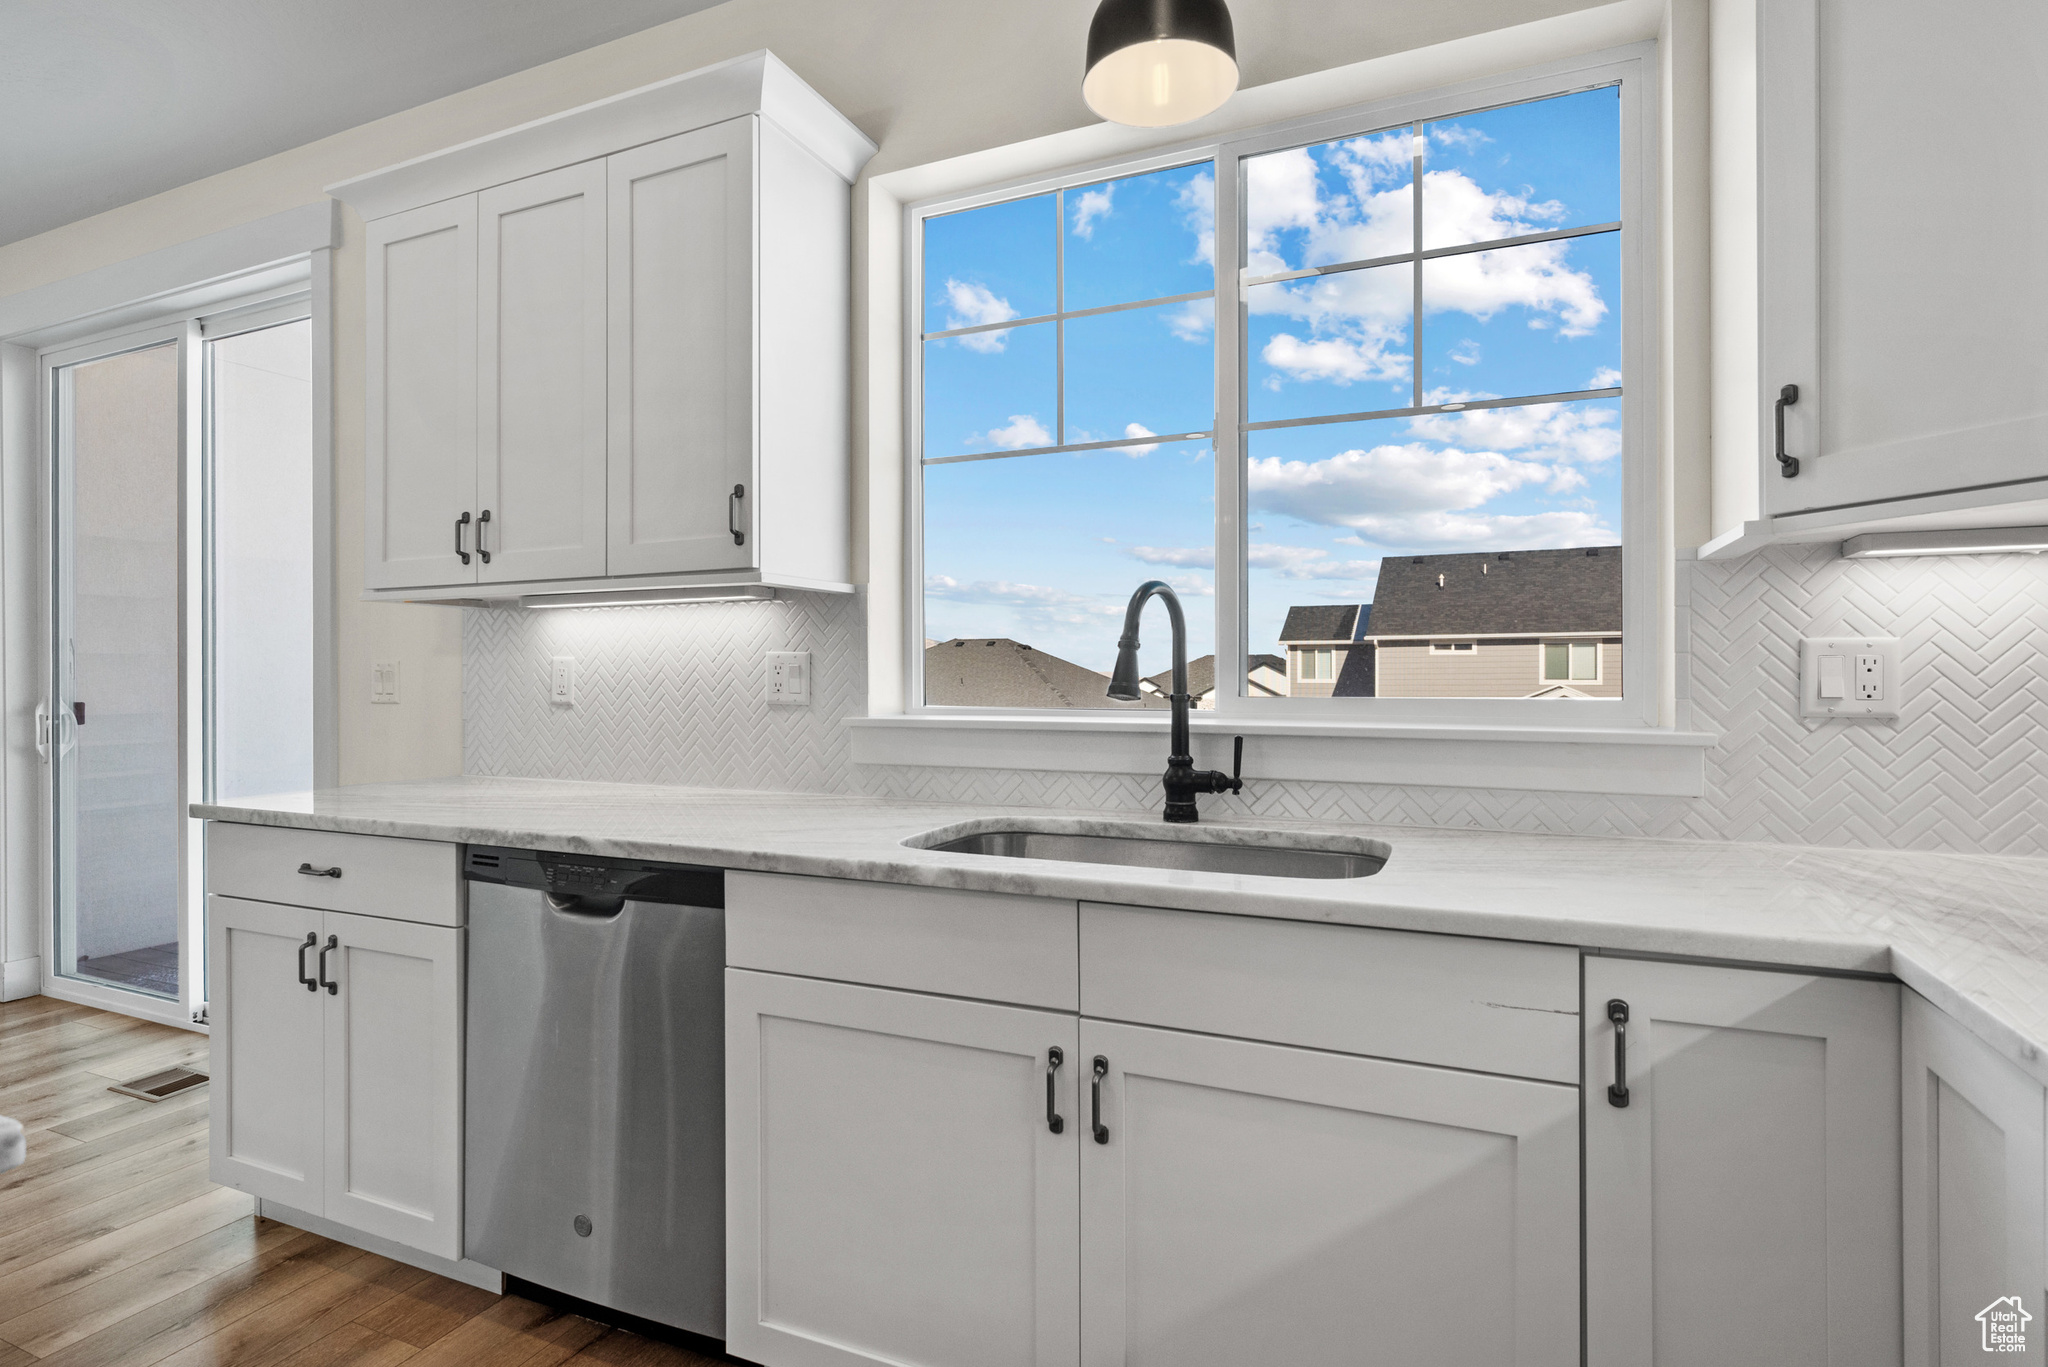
x=562 y=681
x=789 y=677
x=1849 y=676
x=384 y=681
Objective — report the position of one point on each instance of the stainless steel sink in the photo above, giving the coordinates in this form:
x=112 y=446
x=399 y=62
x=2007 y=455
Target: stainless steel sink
x=1201 y=856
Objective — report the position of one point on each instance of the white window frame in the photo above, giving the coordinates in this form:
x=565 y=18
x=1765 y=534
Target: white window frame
x=1645 y=663
x=1454 y=649
x=1599 y=657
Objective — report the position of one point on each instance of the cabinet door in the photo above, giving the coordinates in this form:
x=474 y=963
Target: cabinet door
x=682 y=353
x=1973 y=1170
x=393 y=1037
x=1252 y=1203
x=419 y=454
x=894 y=1192
x=1742 y=1206
x=265 y=1108
x=540 y=377
x=1915 y=337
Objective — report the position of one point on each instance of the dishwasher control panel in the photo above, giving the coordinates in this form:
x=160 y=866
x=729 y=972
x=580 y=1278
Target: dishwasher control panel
x=590 y=875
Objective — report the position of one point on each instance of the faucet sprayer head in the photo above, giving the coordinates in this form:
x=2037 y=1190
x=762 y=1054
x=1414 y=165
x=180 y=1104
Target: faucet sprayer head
x=1123 y=682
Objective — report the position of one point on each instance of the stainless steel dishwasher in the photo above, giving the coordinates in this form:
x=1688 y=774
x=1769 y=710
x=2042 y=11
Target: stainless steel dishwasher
x=594 y=1140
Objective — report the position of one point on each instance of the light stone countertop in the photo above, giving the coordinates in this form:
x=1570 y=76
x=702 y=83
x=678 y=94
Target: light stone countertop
x=1969 y=932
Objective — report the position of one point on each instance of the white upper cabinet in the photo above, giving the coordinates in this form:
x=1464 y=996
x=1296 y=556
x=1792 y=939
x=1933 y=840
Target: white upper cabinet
x=420 y=392
x=682 y=348
x=1866 y=204
x=608 y=350
x=540 y=470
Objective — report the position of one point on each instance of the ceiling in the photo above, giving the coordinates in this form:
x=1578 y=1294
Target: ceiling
x=103 y=102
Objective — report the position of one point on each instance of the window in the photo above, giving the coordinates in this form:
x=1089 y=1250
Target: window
x=1568 y=661
x=1413 y=421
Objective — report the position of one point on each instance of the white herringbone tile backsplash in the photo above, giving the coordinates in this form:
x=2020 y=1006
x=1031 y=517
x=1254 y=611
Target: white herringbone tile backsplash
x=673 y=695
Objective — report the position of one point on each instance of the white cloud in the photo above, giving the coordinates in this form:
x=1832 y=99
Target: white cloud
x=1193 y=321
x=1426 y=532
x=1535 y=277
x=1360 y=489
x=1458 y=136
x=1198 y=557
x=1466 y=352
x=1307 y=562
x=1090 y=205
x=1369 y=354
x=1023 y=430
x=1197 y=204
x=972 y=305
x=1606 y=377
x=1552 y=432
x=1138 y=429
x=1033 y=601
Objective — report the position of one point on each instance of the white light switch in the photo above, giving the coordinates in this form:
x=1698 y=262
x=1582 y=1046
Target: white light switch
x=1833 y=677
x=1849 y=676
x=384 y=681
x=789 y=677
x=562 y=681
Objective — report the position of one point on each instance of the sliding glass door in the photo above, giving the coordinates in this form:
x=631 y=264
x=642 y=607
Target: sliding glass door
x=181 y=579
x=117 y=767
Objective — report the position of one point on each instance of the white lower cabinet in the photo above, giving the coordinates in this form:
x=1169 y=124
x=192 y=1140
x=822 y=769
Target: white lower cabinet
x=895 y=1193
x=1253 y=1203
x=1973 y=1177
x=338 y=1089
x=1742 y=1193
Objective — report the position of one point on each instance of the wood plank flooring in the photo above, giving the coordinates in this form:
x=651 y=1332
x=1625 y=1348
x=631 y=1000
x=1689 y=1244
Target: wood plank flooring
x=115 y=1251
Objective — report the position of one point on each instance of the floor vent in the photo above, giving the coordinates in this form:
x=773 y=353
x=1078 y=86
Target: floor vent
x=157 y=1086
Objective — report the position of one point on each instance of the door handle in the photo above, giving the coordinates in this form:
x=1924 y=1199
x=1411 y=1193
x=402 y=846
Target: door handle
x=1617 y=1091
x=460 y=523
x=78 y=712
x=311 y=940
x=732 y=514
x=1054 y=1057
x=1788 y=466
x=312 y=872
x=483 y=520
x=333 y=942
x=1095 y=1100
x=43 y=730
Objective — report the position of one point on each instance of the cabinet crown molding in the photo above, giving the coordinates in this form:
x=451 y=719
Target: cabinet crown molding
x=756 y=83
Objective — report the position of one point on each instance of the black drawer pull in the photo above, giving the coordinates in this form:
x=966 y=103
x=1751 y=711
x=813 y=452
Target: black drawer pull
x=1788 y=466
x=1054 y=1057
x=1095 y=1094
x=312 y=872
x=311 y=940
x=1617 y=1091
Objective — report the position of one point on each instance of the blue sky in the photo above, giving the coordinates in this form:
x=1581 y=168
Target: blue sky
x=1046 y=547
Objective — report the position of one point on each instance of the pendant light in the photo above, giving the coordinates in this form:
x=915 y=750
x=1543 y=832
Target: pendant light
x=1157 y=62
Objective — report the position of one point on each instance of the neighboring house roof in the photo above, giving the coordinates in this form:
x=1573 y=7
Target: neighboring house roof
x=1202 y=673
x=1321 y=622
x=1498 y=593
x=1276 y=663
x=999 y=672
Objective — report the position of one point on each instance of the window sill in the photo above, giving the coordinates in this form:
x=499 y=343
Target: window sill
x=1638 y=761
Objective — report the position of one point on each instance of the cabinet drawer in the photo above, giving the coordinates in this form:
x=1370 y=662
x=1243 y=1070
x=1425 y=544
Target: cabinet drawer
x=402 y=880
x=964 y=944
x=1490 y=1005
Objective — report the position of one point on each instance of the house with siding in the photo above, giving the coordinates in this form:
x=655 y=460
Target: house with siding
x=1265 y=677
x=1498 y=624
x=1327 y=654
x=986 y=671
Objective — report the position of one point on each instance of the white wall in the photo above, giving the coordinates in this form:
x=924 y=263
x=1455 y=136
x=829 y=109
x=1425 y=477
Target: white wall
x=927 y=79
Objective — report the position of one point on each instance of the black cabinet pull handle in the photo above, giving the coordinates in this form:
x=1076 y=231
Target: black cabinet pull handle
x=78 y=712
x=460 y=523
x=1095 y=1097
x=483 y=520
x=333 y=941
x=311 y=940
x=312 y=872
x=1788 y=466
x=732 y=514
x=1054 y=1057
x=1617 y=1091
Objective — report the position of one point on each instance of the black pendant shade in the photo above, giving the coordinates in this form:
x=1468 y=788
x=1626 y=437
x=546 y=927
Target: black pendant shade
x=1158 y=62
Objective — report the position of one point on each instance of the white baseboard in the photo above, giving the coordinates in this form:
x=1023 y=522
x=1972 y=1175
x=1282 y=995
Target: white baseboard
x=20 y=978
x=463 y=1270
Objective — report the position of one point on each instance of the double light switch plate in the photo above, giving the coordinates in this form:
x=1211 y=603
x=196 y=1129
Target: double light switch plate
x=1849 y=676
